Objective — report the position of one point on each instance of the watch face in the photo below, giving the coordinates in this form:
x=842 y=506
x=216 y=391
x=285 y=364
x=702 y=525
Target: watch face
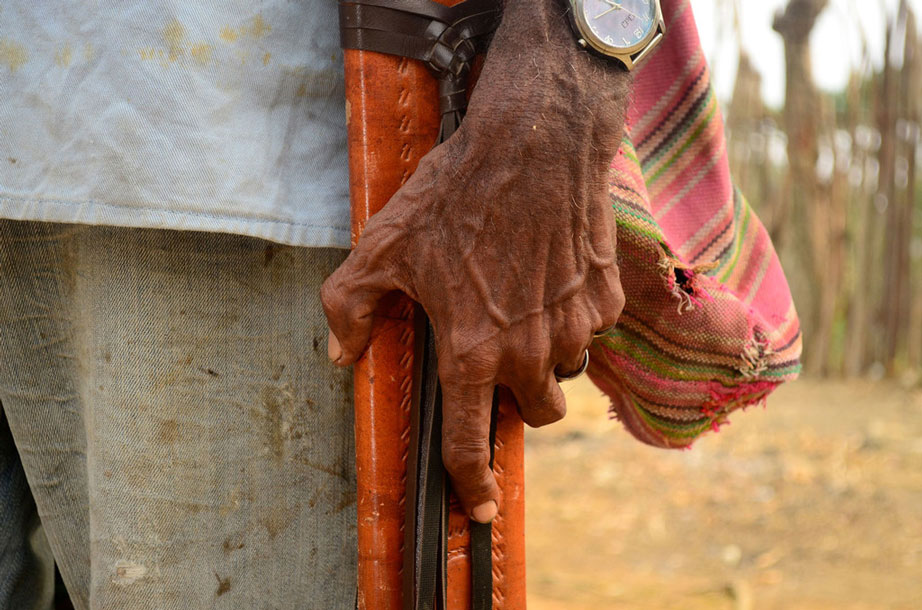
x=620 y=23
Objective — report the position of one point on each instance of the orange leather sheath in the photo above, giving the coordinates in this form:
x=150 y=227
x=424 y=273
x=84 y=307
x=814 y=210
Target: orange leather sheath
x=393 y=120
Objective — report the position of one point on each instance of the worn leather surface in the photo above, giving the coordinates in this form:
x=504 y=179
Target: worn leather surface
x=393 y=119
x=445 y=38
x=389 y=129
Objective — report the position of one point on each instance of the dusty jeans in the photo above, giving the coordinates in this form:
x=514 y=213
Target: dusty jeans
x=183 y=435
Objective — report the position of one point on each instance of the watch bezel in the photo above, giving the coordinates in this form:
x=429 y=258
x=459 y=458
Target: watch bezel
x=629 y=56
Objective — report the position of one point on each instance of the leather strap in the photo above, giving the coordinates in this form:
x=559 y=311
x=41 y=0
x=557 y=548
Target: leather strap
x=446 y=39
x=425 y=578
x=482 y=538
x=424 y=562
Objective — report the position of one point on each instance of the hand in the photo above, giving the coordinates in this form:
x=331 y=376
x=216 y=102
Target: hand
x=506 y=237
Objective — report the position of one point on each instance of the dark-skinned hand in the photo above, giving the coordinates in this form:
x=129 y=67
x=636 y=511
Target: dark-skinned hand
x=506 y=237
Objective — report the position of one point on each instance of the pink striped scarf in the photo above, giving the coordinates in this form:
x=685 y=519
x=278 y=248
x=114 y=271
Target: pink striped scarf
x=709 y=325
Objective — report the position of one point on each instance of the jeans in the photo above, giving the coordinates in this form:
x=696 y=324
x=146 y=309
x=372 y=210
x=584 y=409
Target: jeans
x=185 y=440
x=26 y=565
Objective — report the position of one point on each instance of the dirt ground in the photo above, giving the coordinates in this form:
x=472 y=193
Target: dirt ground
x=814 y=502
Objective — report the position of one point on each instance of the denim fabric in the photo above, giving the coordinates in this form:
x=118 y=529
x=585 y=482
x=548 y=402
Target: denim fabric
x=26 y=565
x=185 y=439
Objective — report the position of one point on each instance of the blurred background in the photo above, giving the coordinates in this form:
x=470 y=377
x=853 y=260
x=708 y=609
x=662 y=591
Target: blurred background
x=814 y=502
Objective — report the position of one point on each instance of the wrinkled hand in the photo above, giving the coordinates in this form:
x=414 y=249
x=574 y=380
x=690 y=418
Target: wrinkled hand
x=506 y=237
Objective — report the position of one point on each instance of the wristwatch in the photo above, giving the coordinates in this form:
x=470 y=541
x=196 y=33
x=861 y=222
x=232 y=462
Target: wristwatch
x=625 y=30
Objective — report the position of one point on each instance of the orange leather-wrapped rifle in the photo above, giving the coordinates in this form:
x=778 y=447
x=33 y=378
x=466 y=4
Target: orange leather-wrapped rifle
x=393 y=116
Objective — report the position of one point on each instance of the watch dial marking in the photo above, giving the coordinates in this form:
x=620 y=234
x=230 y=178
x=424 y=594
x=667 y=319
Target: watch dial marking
x=620 y=23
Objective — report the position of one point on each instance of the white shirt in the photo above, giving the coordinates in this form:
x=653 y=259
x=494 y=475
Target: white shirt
x=211 y=116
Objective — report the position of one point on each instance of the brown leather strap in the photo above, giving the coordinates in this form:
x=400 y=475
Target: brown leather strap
x=482 y=538
x=424 y=568
x=446 y=39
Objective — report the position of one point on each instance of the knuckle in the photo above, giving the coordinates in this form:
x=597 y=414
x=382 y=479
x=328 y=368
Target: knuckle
x=463 y=363
x=465 y=460
x=613 y=282
x=347 y=295
x=529 y=354
x=611 y=300
x=532 y=364
x=464 y=371
x=617 y=291
x=573 y=340
x=545 y=412
x=541 y=403
x=540 y=347
x=525 y=371
x=332 y=295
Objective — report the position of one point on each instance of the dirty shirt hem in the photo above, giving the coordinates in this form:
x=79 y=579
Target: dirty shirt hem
x=150 y=217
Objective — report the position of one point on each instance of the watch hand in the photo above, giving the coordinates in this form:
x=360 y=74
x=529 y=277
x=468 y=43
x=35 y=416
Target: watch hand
x=614 y=6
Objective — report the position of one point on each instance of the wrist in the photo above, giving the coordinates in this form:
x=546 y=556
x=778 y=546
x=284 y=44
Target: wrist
x=541 y=89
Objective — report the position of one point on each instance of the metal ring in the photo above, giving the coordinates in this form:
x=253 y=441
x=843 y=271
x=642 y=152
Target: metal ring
x=577 y=372
x=604 y=331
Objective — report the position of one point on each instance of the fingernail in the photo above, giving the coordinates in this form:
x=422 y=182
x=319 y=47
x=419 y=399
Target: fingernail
x=334 y=349
x=484 y=513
